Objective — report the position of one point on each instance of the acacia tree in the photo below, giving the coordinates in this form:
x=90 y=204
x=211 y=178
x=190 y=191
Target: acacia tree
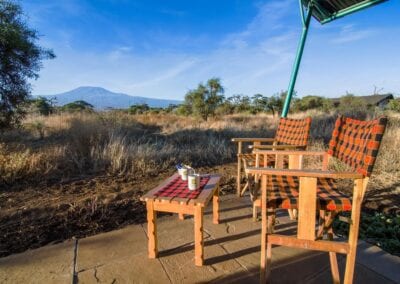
x=20 y=60
x=204 y=100
x=260 y=103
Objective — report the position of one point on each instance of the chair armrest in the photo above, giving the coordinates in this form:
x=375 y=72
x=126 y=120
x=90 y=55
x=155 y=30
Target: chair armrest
x=253 y=139
x=302 y=153
x=305 y=173
x=273 y=147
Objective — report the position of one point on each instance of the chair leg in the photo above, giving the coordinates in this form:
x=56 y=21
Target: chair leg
x=291 y=217
x=264 y=230
x=332 y=255
x=263 y=263
x=246 y=186
x=321 y=225
x=353 y=231
x=295 y=213
x=268 y=262
x=334 y=268
x=238 y=177
x=325 y=226
x=271 y=221
x=255 y=212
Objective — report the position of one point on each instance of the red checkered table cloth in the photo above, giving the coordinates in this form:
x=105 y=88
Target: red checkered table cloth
x=179 y=188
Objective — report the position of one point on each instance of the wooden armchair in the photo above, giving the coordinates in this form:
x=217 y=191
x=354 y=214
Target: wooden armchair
x=291 y=134
x=355 y=143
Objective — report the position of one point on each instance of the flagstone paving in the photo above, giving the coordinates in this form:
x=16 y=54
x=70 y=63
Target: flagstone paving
x=232 y=255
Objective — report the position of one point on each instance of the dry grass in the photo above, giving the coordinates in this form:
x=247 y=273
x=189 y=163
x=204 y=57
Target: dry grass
x=121 y=143
x=63 y=146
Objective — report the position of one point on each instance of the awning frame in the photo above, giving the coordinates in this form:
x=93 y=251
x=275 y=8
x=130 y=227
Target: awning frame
x=314 y=5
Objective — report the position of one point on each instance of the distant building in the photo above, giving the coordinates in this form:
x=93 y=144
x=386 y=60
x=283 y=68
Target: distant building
x=372 y=100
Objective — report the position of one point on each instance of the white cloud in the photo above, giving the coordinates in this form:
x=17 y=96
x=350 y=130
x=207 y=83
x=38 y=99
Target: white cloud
x=119 y=52
x=349 y=33
x=249 y=61
x=169 y=73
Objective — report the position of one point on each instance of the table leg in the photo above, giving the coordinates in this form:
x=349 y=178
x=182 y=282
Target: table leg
x=216 y=206
x=152 y=229
x=181 y=216
x=198 y=236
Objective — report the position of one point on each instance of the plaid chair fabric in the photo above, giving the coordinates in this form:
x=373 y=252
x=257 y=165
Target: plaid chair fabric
x=356 y=143
x=289 y=132
x=293 y=131
x=283 y=192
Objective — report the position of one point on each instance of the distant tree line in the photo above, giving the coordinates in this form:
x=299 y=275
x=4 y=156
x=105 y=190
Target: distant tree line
x=208 y=100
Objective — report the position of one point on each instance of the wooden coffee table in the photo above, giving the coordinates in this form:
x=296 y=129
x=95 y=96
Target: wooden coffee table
x=173 y=196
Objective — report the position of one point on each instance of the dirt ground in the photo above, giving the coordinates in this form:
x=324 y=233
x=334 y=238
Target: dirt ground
x=33 y=216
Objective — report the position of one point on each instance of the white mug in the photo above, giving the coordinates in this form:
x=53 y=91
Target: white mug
x=183 y=172
x=193 y=181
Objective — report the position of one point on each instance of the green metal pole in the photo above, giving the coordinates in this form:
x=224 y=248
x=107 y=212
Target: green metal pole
x=297 y=61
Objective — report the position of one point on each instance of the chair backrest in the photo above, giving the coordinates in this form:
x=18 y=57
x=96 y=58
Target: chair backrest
x=356 y=143
x=293 y=131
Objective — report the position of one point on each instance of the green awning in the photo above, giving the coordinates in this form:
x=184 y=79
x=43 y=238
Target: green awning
x=324 y=11
x=328 y=10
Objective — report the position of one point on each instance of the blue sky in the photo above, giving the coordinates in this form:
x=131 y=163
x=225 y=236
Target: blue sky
x=162 y=49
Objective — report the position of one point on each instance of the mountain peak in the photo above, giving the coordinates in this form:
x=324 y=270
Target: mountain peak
x=102 y=98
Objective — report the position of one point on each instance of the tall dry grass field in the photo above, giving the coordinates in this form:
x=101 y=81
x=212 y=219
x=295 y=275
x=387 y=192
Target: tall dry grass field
x=69 y=145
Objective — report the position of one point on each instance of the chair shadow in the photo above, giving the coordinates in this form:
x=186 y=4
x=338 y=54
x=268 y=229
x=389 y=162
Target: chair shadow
x=190 y=246
x=236 y=218
x=209 y=211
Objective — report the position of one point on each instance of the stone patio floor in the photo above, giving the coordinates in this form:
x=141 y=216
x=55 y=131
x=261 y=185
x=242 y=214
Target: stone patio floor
x=232 y=255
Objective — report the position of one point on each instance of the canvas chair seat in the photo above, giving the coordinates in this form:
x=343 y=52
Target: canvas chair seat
x=282 y=192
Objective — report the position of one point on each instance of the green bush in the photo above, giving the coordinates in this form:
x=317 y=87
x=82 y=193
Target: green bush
x=77 y=106
x=138 y=109
x=353 y=106
x=394 y=105
x=42 y=105
x=380 y=229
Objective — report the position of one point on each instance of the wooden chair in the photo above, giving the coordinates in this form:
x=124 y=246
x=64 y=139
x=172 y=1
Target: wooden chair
x=290 y=134
x=355 y=143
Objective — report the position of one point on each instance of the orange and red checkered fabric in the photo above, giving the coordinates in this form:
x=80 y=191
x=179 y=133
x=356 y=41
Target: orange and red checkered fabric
x=179 y=188
x=283 y=192
x=293 y=131
x=356 y=143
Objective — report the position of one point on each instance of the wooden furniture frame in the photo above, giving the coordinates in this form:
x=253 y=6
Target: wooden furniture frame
x=291 y=134
x=182 y=206
x=356 y=148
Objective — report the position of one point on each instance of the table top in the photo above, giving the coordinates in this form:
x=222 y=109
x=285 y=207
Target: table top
x=175 y=190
